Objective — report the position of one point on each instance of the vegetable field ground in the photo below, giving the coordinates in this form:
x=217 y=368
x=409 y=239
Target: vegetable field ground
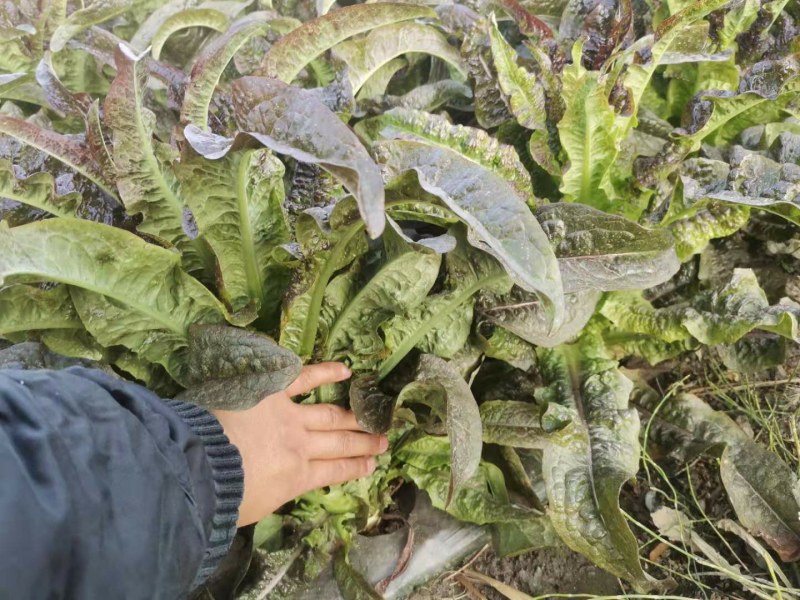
x=556 y=241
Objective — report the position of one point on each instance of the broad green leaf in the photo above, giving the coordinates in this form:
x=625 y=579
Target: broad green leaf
x=237 y=204
x=441 y=323
x=366 y=55
x=292 y=121
x=759 y=487
x=758 y=483
x=755 y=352
x=713 y=317
x=55 y=92
x=290 y=54
x=327 y=249
x=234 y=369
x=471 y=143
x=483 y=500
x=524 y=315
x=372 y=407
x=499 y=221
x=400 y=284
x=738 y=20
x=38 y=190
x=378 y=82
x=25 y=308
x=598 y=251
x=210 y=64
x=427 y=97
x=513 y=423
x=717 y=220
x=586 y=462
x=504 y=345
x=97 y=12
x=587 y=136
x=525 y=92
x=463 y=419
x=144 y=174
x=70 y=150
x=637 y=76
x=127 y=292
x=191 y=17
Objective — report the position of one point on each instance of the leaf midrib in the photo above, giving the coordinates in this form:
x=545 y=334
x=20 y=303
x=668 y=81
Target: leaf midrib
x=254 y=284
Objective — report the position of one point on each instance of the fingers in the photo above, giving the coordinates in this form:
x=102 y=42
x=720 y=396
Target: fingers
x=327 y=417
x=331 y=472
x=343 y=444
x=313 y=376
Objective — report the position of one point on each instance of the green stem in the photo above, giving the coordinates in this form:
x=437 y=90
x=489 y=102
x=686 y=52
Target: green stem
x=426 y=327
x=321 y=282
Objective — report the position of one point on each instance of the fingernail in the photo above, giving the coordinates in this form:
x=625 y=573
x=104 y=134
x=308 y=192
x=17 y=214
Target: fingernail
x=371 y=464
x=384 y=445
x=346 y=372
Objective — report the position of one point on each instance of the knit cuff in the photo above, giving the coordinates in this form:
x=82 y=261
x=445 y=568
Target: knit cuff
x=228 y=476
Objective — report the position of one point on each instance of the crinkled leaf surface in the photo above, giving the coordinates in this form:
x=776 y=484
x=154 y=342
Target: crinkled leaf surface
x=598 y=251
x=127 y=292
x=366 y=55
x=234 y=369
x=372 y=407
x=292 y=121
x=25 y=308
x=211 y=62
x=471 y=143
x=144 y=175
x=237 y=204
x=401 y=283
x=294 y=51
x=586 y=462
x=37 y=190
x=191 y=17
x=499 y=220
x=463 y=418
x=80 y=20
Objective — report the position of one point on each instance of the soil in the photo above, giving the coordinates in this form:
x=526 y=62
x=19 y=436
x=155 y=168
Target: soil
x=549 y=571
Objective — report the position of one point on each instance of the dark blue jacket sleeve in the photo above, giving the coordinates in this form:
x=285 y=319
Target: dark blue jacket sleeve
x=107 y=491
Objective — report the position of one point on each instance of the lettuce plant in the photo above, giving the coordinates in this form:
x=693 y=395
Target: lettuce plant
x=485 y=216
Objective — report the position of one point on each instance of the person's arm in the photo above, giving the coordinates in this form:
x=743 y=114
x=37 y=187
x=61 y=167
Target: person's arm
x=108 y=491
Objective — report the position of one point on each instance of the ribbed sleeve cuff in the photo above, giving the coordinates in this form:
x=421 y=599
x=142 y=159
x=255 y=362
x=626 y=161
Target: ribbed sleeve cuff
x=226 y=467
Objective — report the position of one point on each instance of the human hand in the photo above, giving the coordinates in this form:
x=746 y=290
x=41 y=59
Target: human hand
x=289 y=449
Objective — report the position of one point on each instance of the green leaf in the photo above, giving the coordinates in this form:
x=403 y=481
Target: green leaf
x=283 y=118
x=498 y=219
x=372 y=407
x=366 y=55
x=210 y=64
x=327 y=250
x=513 y=423
x=27 y=308
x=97 y=12
x=598 y=251
x=714 y=317
x=401 y=283
x=144 y=175
x=237 y=204
x=586 y=462
x=127 y=292
x=524 y=315
x=717 y=220
x=441 y=323
x=587 y=136
x=378 y=82
x=471 y=143
x=38 y=190
x=426 y=97
x=290 y=54
x=234 y=369
x=760 y=485
x=352 y=584
x=70 y=150
x=525 y=92
x=191 y=17
x=755 y=352
x=463 y=417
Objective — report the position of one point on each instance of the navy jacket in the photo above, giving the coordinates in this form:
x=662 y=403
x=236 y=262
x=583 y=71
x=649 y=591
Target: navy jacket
x=107 y=491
